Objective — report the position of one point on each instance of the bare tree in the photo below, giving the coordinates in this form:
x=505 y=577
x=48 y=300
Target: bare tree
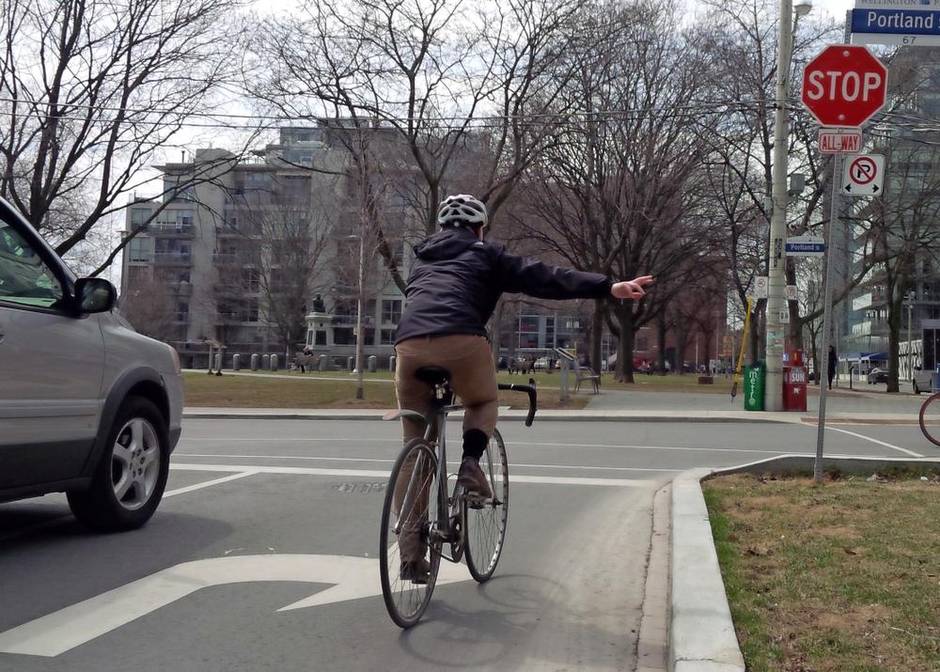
x=150 y=308
x=464 y=90
x=616 y=193
x=92 y=91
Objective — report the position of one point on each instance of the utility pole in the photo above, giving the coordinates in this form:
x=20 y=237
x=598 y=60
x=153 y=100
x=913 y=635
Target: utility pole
x=776 y=271
x=359 y=308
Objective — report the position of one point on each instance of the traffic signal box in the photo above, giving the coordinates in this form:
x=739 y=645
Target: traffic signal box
x=794 y=383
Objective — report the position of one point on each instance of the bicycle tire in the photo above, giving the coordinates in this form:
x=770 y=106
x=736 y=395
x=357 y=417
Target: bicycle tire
x=406 y=601
x=485 y=529
x=930 y=421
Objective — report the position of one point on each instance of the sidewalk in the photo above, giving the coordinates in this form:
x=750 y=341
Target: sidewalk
x=839 y=404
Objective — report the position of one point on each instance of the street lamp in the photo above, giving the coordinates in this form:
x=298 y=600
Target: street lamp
x=776 y=270
x=359 y=307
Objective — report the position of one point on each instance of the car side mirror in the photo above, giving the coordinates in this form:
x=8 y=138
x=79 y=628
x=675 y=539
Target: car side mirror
x=94 y=295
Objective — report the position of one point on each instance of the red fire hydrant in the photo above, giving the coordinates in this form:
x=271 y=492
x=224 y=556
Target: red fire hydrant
x=794 y=384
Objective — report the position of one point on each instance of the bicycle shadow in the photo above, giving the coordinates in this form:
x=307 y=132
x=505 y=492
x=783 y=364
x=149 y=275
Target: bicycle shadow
x=490 y=633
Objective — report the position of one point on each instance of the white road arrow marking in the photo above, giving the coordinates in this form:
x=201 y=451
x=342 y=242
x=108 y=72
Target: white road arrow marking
x=63 y=630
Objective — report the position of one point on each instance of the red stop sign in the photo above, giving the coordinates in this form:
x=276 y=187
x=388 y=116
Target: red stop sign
x=844 y=85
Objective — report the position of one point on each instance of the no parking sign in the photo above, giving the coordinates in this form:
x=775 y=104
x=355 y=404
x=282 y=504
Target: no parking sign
x=864 y=175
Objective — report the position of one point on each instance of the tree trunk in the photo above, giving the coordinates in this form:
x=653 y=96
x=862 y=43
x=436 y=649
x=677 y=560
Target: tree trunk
x=625 y=345
x=661 y=342
x=755 y=338
x=597 y=332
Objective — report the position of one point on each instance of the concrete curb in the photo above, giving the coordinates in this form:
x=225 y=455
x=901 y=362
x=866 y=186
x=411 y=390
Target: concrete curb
x=701 y=634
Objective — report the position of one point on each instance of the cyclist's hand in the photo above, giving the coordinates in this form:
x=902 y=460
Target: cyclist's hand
x=631 y=289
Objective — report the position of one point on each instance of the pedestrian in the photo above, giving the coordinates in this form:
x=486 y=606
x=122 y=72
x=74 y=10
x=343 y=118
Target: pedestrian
x=833 y=364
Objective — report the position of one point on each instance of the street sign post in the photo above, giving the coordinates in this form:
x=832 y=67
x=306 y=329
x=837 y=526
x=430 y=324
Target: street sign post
x=864 y=175
x=805 y=246
x=844 y=85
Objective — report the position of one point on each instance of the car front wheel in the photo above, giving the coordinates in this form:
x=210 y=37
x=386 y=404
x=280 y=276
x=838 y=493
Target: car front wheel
x=129 y=480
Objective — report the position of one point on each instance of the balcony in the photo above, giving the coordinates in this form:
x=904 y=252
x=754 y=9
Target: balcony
x=171 y=229
x=181 y=288
x=174 y=258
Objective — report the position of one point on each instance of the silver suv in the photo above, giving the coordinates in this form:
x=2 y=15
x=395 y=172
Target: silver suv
x=88 y=406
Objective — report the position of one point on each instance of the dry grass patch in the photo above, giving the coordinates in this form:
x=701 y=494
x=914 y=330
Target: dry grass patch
x=228 y=391
x=843 y=577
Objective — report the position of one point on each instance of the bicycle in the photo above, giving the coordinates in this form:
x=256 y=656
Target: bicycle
x=929 y=418
x=472 y=527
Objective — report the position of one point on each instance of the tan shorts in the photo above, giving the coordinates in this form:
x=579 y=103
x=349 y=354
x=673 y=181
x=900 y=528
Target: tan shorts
x=473 y=377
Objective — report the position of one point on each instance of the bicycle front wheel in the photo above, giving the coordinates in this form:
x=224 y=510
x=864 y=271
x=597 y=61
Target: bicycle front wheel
x=408 y=534
x=930 y=418
x=485 y=529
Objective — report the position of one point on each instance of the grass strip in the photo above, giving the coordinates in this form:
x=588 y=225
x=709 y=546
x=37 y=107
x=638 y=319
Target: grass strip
x=840 y=577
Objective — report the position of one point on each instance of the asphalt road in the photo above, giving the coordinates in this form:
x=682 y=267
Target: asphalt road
x=262 y=515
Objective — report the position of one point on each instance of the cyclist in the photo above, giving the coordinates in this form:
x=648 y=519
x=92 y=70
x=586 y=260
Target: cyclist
x=452 y=291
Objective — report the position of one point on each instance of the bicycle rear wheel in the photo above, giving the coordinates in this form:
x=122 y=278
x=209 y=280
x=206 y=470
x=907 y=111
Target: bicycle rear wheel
x=930 y=418
x=485 y=528
x=409 y=520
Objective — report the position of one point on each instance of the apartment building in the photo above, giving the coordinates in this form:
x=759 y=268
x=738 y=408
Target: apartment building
x=218 y=259
x=909 y=210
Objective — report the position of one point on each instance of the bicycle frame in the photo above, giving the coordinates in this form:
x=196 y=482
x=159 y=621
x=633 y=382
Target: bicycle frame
x=436 y=435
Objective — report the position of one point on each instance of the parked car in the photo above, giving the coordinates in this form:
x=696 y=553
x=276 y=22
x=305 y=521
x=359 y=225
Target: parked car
x=877 y=375
x=88 y=406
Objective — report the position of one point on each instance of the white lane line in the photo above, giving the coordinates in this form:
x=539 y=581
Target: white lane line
x=59 y=520
x=880 y=443
x=369 y=473
x=206 y=484
x=381 y=461
x=537 y=444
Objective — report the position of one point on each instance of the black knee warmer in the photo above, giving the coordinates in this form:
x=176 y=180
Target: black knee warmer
x=474 y=443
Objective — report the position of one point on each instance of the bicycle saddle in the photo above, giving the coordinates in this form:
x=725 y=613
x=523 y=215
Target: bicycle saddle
x=433 y=375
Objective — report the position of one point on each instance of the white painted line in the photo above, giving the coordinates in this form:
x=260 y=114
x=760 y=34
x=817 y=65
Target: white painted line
x=381 y=461
x=206 y=484
x=880 y=443
x=51 y=635
x=368 y=473
x=537 y=444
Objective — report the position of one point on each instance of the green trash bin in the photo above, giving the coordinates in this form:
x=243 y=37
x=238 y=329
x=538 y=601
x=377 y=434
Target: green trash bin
x=755 y=378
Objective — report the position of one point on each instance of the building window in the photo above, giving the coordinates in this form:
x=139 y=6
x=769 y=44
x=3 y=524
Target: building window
x=642 y=342
x=140 y=249
x=391 y=311
x=388 y=337
x=250 y=312
x=320 y=337
x=343 y=336
x=182 y=312
x=139 y=217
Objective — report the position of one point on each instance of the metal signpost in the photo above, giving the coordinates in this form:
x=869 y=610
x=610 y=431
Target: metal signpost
x=844 y=85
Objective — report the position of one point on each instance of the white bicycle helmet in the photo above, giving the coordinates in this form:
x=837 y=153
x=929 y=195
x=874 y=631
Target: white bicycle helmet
x=462 y=209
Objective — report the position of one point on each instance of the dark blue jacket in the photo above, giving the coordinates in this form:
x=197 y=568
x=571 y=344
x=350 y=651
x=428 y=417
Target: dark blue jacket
x=457 y=280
